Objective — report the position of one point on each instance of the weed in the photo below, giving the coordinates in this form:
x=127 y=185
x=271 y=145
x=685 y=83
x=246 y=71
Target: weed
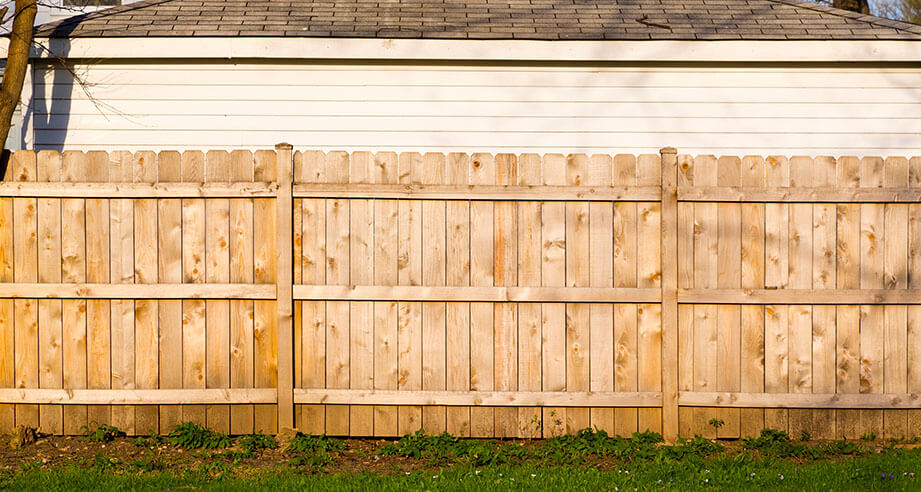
x=444 y=448
x=214 y=469
x=530 y=429
x=313 y=451
x=870 y=436
x=101 y=433
x=256 y=442
x=777 y=444
x=147 y=464
x=103 y=463
x=190 y=435
x=698 y=446
x=152 y=440
x=774 y=443
x=28 y=466
x=234 y=455
x=839 y=448
x=805 y=436
x=716 y=423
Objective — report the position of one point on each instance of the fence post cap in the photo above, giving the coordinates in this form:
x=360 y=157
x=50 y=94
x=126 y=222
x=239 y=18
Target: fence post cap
x=284 y=146
x=668 y=150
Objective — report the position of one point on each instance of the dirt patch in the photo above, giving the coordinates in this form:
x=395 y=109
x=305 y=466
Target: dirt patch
x=142 y=454
x=357 y=455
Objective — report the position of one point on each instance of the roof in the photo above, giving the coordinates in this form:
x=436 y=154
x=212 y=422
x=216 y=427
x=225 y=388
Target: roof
x=484 y=19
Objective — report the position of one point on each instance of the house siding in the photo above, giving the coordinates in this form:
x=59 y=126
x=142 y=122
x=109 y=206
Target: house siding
x=699 y=108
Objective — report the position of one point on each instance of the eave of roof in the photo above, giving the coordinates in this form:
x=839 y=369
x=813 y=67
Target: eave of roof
x=413 y=50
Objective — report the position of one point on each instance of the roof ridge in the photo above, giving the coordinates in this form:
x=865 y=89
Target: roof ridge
x=869 y=19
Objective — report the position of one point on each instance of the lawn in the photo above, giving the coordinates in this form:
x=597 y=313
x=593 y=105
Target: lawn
x=191 y=458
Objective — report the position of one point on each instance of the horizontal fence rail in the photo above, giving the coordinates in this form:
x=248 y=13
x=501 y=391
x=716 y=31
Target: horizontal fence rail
x=483 y=295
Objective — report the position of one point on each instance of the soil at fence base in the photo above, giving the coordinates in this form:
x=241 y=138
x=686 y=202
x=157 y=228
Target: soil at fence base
x=53 y=451
x=357 y=456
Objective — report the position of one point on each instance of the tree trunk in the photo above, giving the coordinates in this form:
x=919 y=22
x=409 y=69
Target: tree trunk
x=17 y=62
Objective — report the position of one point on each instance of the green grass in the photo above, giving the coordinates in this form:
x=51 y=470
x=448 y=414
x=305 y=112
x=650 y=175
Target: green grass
x=890 y=471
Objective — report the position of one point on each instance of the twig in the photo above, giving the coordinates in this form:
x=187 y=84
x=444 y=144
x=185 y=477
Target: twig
x=643 y=20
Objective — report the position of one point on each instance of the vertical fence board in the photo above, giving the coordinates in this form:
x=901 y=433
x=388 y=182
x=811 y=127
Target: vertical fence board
x=311 y=168
x=529 y=314
x=505 y=264
x=729 y=275
x=872 y=267
x=241 y=311
x=217 y=270
x=457 y=329
x=649 y=275
x=685 y=265
x=312 y=418
x=193 y=271
x=49 y=310
x=847 y=317
x=433 y=313
x=800 y=275
x=895 y=276
x=706 y=223
x=553 y=274
x=97 y=270
x=146 y=418
x=338 y=323
x=386 y=314
x=624 y=222
x=752 y=276
x=361 y=314
x=482 y=315
x=823 y=317
x=169 y=269
x=409 y=271
x=7 y=317
x=776 y=275
x=914 y=282
x=121 y=246
x=601 y=274
x=25 y=258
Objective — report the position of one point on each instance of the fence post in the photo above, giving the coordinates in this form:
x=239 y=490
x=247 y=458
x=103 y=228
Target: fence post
x=669 y=159
x=284 y=286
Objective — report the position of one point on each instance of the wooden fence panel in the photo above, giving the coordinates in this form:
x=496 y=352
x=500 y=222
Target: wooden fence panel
x=484 y=295
x=466 y=344
x=107 y=342
x=810 y=243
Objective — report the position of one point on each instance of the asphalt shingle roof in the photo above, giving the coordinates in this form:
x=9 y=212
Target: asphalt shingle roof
x=484 y=19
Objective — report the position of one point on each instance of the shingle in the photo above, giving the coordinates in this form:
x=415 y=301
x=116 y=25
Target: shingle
x=484 y=19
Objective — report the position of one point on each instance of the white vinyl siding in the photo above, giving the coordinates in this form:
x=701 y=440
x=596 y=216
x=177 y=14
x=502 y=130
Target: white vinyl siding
x=492 y=108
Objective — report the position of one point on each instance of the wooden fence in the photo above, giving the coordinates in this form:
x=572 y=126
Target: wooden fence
x=483 y=295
